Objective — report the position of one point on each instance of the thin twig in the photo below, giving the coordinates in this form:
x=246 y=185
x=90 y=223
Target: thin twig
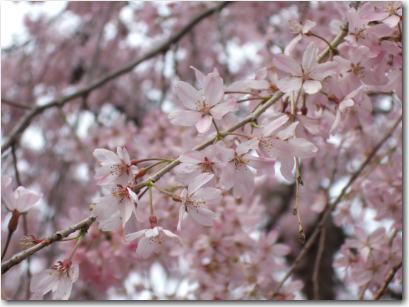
x=317 y=265
x=17 y=258
x=59 y=102
x=15 y=104
x=387 y=280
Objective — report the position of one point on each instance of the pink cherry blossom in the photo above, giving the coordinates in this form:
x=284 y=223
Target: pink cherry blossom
x=58 y=279
x=21 y=199
x=115 y=168
x=115 y=209
x=202 y=105
x=151 y=240
x=194 y=199
x=307 y=76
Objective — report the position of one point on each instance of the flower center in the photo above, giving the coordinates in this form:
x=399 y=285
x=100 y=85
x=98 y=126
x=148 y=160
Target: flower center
x=121 y=192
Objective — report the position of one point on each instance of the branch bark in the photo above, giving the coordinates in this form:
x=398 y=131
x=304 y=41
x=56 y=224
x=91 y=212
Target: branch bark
x=387 y=280
x=17 y=258
x=59 y=102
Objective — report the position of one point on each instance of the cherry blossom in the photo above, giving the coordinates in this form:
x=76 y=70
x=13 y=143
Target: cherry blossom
x=307 y=76
x=202 y=105
x=194 y=199
x=58 y=279
x=151 y=240
x=115 y=168
x=115 y=209
x=21 y=200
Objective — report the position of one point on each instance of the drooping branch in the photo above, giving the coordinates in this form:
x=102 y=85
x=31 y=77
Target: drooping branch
x=333 y=205
x=17 y=258
x=59 y=102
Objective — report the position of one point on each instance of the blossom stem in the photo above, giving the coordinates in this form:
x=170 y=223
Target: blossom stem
x=251 y=98
x=219 y=135
x=9 y=235
x=77 y=244
x=237 y=134
x=151 y=201
x=162 y=191
x=321 y=38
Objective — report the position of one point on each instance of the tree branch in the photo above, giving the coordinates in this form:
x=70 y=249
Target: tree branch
x=59 y=102
x=387 y=280
x=17 y=258
x=333 y=205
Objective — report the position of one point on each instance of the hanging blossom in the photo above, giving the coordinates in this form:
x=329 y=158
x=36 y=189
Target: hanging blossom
x=21 y=199
x=278 y=141
x=115 y=168
x=152 y=240
x=115 y=207
x=237 y=173
x=194 y=198
x=308 y=75
x=58 y=279
x=202 y=105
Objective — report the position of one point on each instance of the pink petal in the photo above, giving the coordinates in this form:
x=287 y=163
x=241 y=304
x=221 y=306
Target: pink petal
x=187 y=94
x=123 y=154
x=63 y=290
x=146 y=247
x=135 y=235
x=221 y=109
x=201 y=215
x=126 y=208
x=204 y=124
x=106 y=157
x=243 y=182
x=43 y=281
x=287 y=85
x=198 y=182
x=213 y=89
x=25 y=199
x=309 y=58
x=312 y=86
x=184 y=118
x=182 y=212
x=200 y=77
x=286 y=168
x=303 y=148
x=274 y=125
x=209 y=195
x=191 y=157
x=246 y=146
x=287 y=64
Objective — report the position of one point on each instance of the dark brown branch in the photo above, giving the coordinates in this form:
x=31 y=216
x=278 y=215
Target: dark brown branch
x=17 y=258
x=15 y=104
x=387 y=280
x=59 y=102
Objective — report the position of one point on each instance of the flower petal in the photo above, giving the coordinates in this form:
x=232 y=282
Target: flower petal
x=106 y=157
x=201 y=215
x=204 y=124
x=146 y=247
x=187 y=94
x=287 y=64
x=198 y=182
x=184 y=118
x=213 y=89
x=312 y=86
